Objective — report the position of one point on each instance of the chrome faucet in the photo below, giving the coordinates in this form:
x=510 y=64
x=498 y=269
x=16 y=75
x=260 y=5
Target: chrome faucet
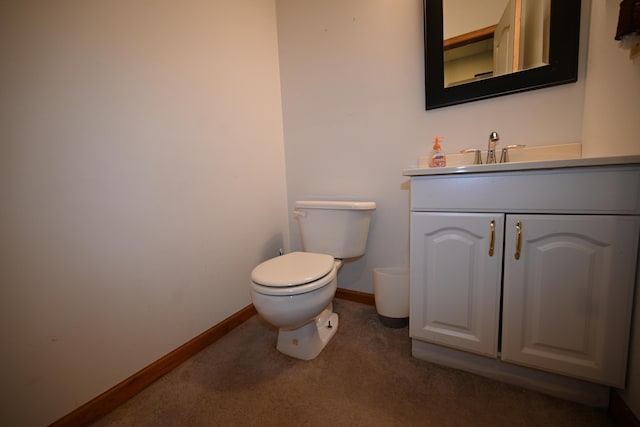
x=491 y=148
x=477 y=158
x=504 y=158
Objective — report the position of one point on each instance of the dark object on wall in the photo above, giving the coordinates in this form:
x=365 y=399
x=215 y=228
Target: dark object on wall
x=563 y=66
x=628 y=19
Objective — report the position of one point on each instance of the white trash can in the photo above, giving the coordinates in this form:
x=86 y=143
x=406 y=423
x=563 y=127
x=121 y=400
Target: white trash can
x=391 y=293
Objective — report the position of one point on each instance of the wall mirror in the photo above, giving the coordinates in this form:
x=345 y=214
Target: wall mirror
x=479 y=49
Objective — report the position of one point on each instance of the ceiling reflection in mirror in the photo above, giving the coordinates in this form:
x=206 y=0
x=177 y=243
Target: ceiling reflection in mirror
x=488 y=38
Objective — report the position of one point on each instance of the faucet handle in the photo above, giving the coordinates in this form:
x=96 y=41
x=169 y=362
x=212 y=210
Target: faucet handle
x=477 y=158
x=504 y=158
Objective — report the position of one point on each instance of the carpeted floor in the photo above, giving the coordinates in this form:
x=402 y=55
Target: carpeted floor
x=364 y=377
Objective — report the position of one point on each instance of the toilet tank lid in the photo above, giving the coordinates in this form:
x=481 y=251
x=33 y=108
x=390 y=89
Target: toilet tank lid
x=336 y=204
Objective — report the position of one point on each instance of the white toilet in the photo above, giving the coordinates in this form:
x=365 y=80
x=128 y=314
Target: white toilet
x=293 y=292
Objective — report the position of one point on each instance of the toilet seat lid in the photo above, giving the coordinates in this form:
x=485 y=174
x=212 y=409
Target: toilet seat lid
x=293 y=269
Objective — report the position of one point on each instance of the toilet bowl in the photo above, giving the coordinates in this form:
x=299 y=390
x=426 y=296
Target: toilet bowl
x=294 y=292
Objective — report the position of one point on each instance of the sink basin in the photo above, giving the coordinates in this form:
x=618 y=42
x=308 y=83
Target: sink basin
x=527 y=154
x=529 y=158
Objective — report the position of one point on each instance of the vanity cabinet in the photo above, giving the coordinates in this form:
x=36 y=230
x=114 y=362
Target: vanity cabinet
x=455 y=283
x=567 y=299
x=541 y=277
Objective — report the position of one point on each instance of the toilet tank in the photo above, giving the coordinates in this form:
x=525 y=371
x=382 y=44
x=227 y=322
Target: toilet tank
x=334 y=227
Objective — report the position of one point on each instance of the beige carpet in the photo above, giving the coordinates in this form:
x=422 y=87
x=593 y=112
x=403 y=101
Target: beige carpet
x=364 y=377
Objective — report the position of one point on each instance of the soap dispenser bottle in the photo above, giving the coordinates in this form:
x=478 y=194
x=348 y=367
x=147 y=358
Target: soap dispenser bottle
x=438 y=158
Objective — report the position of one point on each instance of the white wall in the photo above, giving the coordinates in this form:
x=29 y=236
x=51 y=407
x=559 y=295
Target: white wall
x=353 y=104
x=612 y=127
x=354 y=116
x=612 y=104
x=137 y=138
x=142 y=176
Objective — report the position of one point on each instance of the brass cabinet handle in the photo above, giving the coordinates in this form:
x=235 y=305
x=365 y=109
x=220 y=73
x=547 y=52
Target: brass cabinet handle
x=492 y=243
x=518 y=239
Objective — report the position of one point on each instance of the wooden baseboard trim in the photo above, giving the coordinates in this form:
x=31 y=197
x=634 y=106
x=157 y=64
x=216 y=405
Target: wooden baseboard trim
x=620 y=412
x=120 y=393
x=357 y=296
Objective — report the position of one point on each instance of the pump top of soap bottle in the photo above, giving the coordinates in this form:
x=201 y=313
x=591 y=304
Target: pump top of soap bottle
x=438 y=158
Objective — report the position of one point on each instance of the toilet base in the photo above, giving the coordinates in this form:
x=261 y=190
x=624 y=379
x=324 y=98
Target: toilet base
x=307 y=341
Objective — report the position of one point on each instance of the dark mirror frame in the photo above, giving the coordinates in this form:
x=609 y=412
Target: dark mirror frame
x=562 y=68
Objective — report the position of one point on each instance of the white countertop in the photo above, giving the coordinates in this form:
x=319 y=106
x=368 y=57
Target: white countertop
x=531 y=165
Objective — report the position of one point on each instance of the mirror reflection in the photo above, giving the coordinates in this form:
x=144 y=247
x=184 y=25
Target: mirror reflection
x=488 y=38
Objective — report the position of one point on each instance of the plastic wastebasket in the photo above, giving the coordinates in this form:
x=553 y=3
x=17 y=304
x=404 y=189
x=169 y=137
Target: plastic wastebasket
x=391 y=292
